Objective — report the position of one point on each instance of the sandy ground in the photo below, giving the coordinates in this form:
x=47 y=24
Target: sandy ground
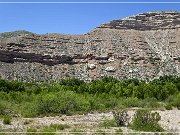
x=170 y=121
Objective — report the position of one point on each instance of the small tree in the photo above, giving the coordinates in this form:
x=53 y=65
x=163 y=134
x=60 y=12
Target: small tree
x=144 y=120
x=121 y=117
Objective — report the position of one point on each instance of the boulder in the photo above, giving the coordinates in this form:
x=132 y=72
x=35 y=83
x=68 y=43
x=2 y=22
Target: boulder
x=110 y=69
x=91 y=66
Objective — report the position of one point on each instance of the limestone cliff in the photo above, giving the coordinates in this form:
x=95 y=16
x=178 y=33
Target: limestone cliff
x=143 y=46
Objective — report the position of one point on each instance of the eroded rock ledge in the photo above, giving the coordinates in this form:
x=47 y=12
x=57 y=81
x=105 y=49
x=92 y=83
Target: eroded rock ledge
x=147 y=21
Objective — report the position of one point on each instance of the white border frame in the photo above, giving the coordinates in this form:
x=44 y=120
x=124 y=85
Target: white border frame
x=93 y=132
x=88 y=2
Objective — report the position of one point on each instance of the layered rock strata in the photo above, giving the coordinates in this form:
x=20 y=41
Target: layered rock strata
x=143 y=46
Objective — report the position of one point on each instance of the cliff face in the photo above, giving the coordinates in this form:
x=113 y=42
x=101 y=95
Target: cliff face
x=142 y=46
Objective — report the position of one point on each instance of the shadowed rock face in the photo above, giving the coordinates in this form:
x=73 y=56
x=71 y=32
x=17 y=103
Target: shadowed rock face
x=142 y=46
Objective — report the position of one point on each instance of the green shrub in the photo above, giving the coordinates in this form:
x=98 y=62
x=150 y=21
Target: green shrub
x=148 y=102
x=131 y=102
x=176 y=100
x=109 y=101
x=29 y=109
x=168 y=106
x=71 y=82
x=2 y=108
x=7 y=120
x=47 y=131
x=95 y=103
x=121 y=117
x=64 y=103
x=8 y=86
x=144 y=120
x=6 y=107
x=153 y=104
x=107 y=79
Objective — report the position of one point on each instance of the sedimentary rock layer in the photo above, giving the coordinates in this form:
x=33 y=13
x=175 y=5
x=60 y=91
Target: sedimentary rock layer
x=143 y=46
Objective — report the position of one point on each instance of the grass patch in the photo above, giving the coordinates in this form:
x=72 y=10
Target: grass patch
x=7 y=120
x=100 y=132
x=107 y=123
x=31 y=131
x=59 y=126
x=77 y=131
x=47 y=131
x=119 y=131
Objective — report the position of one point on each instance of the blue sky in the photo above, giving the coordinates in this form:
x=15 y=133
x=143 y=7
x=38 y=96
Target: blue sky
x=69 y=18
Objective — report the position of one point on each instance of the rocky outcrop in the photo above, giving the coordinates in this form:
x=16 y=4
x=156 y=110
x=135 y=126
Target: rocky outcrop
x=141 y=46
x=13 y=56
x=147 y=21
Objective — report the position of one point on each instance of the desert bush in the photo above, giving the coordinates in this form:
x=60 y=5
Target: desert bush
x=8 y=86
x=109 y=101
x=147 y=102
x=107 y=123
x=29 y=109
x=168 y=89
x=131 y=102
x=2 y=108
x=64 y=103
x=168 y=106
x=16 y=97
x=71 y=82
x=96 y=103
x=47 y=131
x=153 y=104
x=121 y=117
x=144 y=120
x=176 y=100
x=7 y=120
x=107 y=79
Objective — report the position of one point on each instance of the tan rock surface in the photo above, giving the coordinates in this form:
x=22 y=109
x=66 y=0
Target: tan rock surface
x=141 y=46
